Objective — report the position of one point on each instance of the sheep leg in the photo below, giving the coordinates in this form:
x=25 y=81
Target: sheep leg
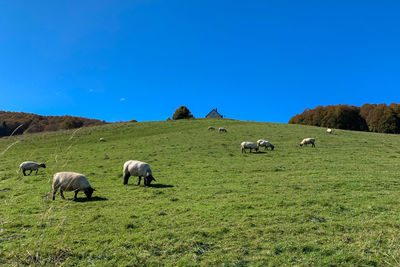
x=140 y=178
x=313 y=145
x=126 y=177
x=62 y=195
x=76 y=193
x=54 y=193
x=23 y=171
x=36 y=171
x=30 y=171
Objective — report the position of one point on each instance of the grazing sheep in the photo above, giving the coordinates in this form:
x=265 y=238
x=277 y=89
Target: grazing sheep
x=31 y=166
x=211 y=128
x=222 y=130
x=329 y=131
x=249 y=145
x=265 y=144
x=71 y=181
x=307 y=141
x=137 y=168
x=102 y=139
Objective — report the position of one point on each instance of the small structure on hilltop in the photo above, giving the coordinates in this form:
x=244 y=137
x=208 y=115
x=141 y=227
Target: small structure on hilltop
x=214 y=114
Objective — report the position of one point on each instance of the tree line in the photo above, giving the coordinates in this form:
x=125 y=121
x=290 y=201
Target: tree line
x=21 y=122
x=380 y=118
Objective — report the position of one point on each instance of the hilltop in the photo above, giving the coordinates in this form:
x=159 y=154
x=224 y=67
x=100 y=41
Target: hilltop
x=336 y=204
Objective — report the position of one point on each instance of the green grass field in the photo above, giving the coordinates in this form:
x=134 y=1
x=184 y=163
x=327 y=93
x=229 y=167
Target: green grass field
x=336 y=204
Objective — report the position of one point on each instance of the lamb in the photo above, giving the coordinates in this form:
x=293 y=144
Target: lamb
x=329 y=131
x=102 y=139
x=71 y=181
x=307 y=141
x=137 y=168
x=265 y=144
x=222 y=130
x=211 y=128
x=249 y=145
x=31 y=166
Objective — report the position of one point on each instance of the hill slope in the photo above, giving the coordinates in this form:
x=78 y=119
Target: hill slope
x=337 y=203
x=20 y=122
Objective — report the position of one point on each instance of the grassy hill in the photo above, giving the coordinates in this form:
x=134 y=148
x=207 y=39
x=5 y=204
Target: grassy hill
x=338 y=203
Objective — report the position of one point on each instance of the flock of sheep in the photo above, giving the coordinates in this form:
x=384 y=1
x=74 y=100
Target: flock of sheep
x=264 y=143
x=72 y=181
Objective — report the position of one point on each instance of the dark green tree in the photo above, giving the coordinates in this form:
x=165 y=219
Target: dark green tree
x=182 y=113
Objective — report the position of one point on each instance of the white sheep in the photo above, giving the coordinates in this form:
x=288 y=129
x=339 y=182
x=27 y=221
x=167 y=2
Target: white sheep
x=102 y=139
x=211 y=128
x=31 y=166
x=307 y=141
x=222 y=130
x=249 y=145
x=265 y=144
x=137 y=168
x=71 y=181
x=329 y=131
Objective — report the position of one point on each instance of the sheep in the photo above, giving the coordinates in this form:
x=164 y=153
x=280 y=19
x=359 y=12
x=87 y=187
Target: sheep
x=31 y=166
x=329 y=131
x=249 y=145
x=265 y=144
x=211 y=128
x=71 y=181
x=222 y=130
x=137 y=168
x=102 y=139
x=307 y=141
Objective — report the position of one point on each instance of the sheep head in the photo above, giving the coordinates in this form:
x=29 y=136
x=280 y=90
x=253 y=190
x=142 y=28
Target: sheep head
x=148 y=179
x=89 y=192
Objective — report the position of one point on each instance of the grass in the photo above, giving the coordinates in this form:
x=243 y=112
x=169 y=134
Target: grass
x=336 y=204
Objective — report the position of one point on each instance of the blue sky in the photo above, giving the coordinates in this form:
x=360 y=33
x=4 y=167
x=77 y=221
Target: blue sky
x=254 y=60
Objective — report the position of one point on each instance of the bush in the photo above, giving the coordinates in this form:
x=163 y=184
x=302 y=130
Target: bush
x=182 y=113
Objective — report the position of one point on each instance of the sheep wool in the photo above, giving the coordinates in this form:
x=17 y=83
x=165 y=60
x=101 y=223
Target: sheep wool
x=71 y=181
x=30 y=166
x=248 y=145
x=137 y=168
x=307 y=141
x=265 y=144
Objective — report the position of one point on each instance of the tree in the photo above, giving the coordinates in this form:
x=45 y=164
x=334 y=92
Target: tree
x=182 y=113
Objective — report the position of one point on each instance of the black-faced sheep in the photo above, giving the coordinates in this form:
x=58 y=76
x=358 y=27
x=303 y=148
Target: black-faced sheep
x=211 y=128
x=222 y=130
x=307 y=141
x=71 y=181
x=30 y=166
x=265 y=144
x=248 y=145
x=329 y=131
x=102 y=139
x=138 y=168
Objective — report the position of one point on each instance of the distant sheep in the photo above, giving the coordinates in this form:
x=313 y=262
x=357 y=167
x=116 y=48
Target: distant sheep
x=137 y=168
x=307 y=141
x=71 y=181
x=30 y=166
x=222 y=130
x=265 y=144
x=211 y=128
x=248 y=145
x=102 y=139
x=329 y=131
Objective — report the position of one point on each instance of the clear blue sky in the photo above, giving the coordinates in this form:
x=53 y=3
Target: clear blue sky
x=254 y=60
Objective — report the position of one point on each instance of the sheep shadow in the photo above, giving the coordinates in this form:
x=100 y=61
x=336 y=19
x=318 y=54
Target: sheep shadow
x=84 y=199
x=161 y=185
